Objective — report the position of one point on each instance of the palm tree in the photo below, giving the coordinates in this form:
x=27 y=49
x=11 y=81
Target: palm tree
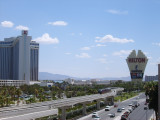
x=18 y=93
x=12 y=92
x=152 y=92
x=36 y=93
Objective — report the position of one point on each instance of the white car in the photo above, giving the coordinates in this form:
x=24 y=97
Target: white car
x=94 y=114
x=97 y=118
x=107 y=108
x=123 y=108
x=130 y=104
x=130 y=109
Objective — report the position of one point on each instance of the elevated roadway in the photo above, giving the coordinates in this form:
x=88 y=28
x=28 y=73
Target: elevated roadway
x=55 y=104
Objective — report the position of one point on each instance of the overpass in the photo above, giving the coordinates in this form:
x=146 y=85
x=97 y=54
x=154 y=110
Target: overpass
x=41 y=109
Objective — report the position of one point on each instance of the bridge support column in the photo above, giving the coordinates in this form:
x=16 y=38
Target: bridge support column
x=106 y=101
x=84 y=107
x=112 y=100
x=63 y=113
x=98 y=104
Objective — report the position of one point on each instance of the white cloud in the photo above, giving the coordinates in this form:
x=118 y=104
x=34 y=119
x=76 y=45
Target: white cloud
x=83 y=55
x=68 y=53
x=45 y=38
x=92 y=46
x=121 y=53
x=158 y=44
x=149 y=57
x=72 y=34
x=110 y=38
x=102 y=60
x=7 y=24
x=105 y=55
x=58 y=23
x=100 y=45
x=107 y=68
x=85 y=48
x=20 y=27
x=117 y=12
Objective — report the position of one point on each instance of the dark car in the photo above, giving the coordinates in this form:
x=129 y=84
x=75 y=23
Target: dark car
x=124 y=117
x=145 y=103
x=126 y=113
x=119 y=110
x=115 y=105
x=112 y=115
x=133 y=107
x=145 y=108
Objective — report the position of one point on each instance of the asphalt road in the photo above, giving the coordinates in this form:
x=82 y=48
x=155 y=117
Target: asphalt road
x=138 y=114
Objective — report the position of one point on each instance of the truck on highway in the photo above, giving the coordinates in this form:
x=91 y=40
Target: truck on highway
x=135 y=103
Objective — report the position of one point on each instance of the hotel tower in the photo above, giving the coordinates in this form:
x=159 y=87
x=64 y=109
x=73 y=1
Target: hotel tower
x=18 y=60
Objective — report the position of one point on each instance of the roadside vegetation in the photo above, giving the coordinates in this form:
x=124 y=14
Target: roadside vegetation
x=151 y=92
x=27 y=94
x=125 y=96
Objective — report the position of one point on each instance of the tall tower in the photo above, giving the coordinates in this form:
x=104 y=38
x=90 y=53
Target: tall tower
x=19 y=58
x=137 y=64
x=24 y=56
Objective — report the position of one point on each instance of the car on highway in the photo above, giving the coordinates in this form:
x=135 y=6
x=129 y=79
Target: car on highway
x=130 y=110
x=145 y=108
x=119 y=110
x=126 y=113
x=115 y=105
x=107 y=108
x=133 y=107
x=130 y=104
x=112 y=115
x=94 y=114
x=145 y=103
x=124 y=117
x=96 y=117
x=123 y=108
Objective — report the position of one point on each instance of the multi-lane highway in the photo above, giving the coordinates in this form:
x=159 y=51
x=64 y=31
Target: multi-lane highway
x=49 y=105
x=138 y=114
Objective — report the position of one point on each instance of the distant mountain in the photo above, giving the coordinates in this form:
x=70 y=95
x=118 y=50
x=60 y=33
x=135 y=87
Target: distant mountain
x=50 y=76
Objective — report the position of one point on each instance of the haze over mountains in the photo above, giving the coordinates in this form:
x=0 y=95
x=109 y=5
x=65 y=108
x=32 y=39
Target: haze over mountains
x=50 y=76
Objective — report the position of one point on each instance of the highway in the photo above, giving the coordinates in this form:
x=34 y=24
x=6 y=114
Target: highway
x=54 y=104
x=138 y=114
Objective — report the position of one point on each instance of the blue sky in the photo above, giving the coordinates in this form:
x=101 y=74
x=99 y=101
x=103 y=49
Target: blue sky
x=86 y=38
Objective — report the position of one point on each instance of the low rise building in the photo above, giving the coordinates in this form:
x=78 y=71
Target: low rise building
x=151 y=78
x=70 y=81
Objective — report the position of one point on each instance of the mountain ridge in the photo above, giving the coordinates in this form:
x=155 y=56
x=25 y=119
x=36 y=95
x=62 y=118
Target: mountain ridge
x=51 y=76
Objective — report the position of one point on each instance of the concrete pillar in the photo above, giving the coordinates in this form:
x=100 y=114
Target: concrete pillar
x=63 y=113
x=112 y=100
x=84 y=109
x=98 y=104
x=106 y=101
